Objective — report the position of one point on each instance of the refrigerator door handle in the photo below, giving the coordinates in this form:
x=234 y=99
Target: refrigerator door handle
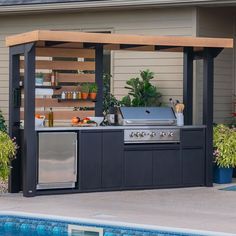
x=76 y=157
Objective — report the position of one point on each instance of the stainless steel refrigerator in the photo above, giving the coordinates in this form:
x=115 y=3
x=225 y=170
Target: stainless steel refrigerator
x=57 y=160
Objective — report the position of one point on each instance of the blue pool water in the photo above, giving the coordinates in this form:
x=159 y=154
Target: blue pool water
x=23 y=225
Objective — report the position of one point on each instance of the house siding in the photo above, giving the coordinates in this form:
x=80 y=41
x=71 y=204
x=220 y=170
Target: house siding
x=167 y=66
x=221 y=26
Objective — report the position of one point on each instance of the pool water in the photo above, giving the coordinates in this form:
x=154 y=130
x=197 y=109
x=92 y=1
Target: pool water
x=27 y=225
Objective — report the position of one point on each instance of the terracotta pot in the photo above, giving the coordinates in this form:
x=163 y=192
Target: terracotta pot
x=93 y=96
x=84 y=95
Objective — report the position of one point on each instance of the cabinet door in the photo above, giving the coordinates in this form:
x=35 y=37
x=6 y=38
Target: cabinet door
x=193 y=166
x=138 y=168
x=112 y=158
x=90 y=160
x=167 y=167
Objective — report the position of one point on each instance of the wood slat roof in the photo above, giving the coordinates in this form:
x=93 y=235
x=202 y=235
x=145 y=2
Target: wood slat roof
x=111 y=41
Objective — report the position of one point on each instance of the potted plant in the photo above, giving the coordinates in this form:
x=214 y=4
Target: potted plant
x=8 y=149
x=93 y=89
x=224 y=153
x=141 y=91
x=84 y=91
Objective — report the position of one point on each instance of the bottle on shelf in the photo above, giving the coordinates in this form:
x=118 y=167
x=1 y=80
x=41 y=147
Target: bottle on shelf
x=63 y=95
x=50 y=118
x=74 y=95
x=53 y=81
x=79 y=95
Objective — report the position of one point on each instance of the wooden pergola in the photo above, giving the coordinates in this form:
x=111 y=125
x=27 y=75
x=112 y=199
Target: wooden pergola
x=64 y=44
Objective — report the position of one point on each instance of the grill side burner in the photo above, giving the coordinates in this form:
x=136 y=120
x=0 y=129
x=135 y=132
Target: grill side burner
x=152 y=135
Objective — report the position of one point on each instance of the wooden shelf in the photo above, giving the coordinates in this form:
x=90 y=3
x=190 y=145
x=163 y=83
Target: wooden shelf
x=45 y=87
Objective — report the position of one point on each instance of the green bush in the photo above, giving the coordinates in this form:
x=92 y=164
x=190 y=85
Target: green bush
x=224 y=146
x=3 y=126
x=109 y=100
x=141 y=91
x=8 y=149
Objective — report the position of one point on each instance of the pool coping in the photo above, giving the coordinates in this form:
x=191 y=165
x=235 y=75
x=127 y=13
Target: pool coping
x=72 y=220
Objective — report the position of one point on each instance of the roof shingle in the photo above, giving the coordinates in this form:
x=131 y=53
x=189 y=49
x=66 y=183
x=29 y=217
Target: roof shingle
x=30 y=2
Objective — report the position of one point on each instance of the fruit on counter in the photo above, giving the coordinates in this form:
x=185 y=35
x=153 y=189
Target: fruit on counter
x=38 y=116
x=75 y=120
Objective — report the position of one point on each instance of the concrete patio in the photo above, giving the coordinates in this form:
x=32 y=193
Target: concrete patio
x=193 y=208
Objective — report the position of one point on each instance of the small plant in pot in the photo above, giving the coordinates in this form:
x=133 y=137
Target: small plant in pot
x=93 y=91
x=224 y=153
x=85 y=91
x=8 y=150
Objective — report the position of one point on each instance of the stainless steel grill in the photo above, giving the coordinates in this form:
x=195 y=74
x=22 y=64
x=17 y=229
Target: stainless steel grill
x=147 y=116
x=146 y=125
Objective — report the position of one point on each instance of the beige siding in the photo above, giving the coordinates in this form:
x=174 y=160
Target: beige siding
x=168 y=67
x=221 y=26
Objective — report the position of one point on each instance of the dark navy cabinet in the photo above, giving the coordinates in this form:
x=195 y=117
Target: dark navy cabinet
x=167 y=167
x=112 y=157
x=193 y=155
x=100 y=159
x=106 y=163
x=137 y=168
x=90 y=160
x=193 y=166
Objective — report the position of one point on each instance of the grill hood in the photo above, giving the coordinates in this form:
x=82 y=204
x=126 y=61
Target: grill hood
x=146 y=116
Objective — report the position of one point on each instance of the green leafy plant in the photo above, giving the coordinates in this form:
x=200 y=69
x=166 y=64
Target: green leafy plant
x=141 y=91
x=85 y=88
x=39 y=75
x=224 y=146
x=109 y=100
x=93 y=88
x=3 y=126
x=8 y=150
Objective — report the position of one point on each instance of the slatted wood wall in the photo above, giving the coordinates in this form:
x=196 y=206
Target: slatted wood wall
x=74 y=67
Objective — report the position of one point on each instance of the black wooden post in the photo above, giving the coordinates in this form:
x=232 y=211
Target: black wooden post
x=29 y=158
x=208 y=93
x=188 y=86
x=99 y=79
x=14 y=181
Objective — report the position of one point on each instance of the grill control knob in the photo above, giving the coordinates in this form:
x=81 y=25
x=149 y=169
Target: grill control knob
x=137 y=134
x=153 y=134
x=131 y=135
x=162 y=134
x=170 y=134
x=142 y=134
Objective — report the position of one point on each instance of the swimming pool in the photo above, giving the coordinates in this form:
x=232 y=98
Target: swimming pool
x=20 y=224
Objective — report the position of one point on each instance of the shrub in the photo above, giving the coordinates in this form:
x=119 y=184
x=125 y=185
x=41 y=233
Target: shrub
x=3 y=126
x=224 y=146
x=8 y=150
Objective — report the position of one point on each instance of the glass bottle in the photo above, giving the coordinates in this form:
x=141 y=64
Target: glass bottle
x=50 y=118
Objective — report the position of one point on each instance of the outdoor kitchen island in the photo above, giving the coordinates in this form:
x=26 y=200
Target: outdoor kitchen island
x=106 y=162
x=105 y=158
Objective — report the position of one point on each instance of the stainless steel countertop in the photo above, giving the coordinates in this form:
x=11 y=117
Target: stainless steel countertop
x=38 y=129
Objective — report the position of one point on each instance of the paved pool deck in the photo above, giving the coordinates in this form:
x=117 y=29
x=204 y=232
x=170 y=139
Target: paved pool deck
x=198 y=208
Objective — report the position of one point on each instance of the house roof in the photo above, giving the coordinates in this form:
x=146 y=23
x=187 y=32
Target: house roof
x=118 y=2
x=117 y=41
x=29 y=2
x=22 y=6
